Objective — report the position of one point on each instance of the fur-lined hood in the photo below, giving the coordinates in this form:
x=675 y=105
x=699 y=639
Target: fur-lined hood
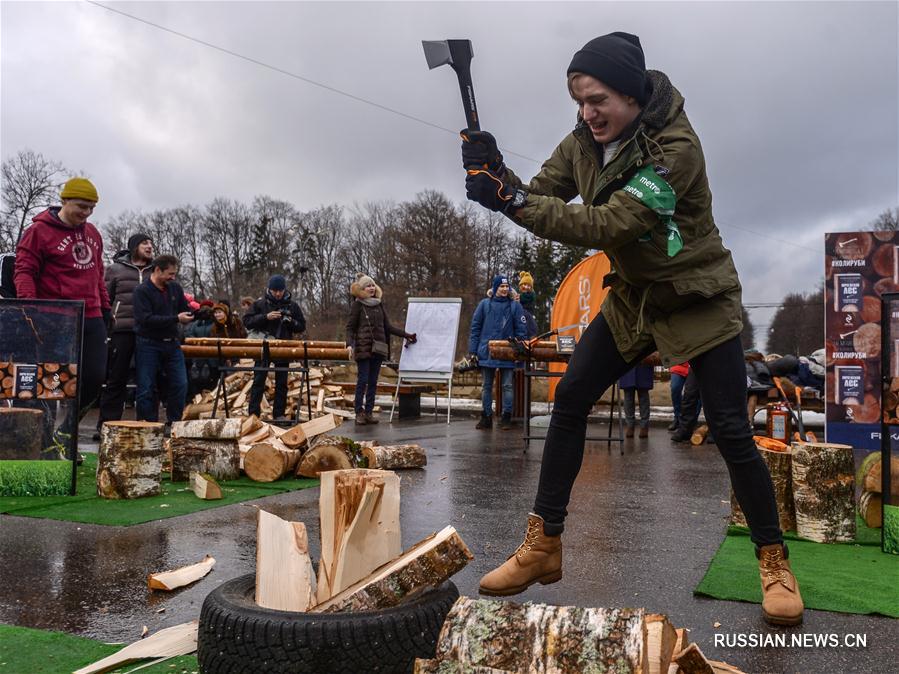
x=358 y=291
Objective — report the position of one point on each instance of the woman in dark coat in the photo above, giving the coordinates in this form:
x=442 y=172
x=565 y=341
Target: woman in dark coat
x=226 y=324
x=368 y=338
x=637 y=382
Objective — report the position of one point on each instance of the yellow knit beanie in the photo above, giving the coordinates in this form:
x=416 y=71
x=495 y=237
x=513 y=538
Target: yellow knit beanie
x=525 y=277
x=79 y=188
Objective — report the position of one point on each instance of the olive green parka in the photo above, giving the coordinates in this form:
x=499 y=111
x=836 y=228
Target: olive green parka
x=683 y=305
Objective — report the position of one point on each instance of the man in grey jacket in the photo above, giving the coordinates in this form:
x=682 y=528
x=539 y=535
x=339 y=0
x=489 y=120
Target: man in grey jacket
x=122 y=277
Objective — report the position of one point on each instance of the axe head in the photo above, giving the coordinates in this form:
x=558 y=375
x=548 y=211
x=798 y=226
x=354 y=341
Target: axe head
x=456 y=53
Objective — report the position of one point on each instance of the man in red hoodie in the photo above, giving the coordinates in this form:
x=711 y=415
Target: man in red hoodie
x=60 y=257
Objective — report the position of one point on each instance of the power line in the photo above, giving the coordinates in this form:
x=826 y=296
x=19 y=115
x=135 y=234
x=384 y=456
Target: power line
x=288 y=73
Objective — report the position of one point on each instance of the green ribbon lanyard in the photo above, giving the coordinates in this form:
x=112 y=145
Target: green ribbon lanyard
x=655 y=193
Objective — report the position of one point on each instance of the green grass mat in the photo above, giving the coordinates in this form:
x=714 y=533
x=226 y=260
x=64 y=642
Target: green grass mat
x=845 y=577
x=176 y=499
x=41 y=652
x=35 y=478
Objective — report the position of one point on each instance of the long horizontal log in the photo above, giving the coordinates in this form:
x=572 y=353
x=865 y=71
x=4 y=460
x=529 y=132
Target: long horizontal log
x=285 y=343
x=505 y=351
x=280 y=353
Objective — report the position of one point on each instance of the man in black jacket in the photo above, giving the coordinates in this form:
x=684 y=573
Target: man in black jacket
x=127 y=271
x=159 y=308
x=278 y=316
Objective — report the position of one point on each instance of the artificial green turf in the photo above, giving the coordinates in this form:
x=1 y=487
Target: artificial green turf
x=176 y=498
x=891 y=529
x=35 y=478
x=843 y=577
x=29 y=651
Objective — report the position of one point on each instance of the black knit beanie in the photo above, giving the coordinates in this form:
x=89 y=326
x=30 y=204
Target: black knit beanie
x=617 y=60
x=137 y=239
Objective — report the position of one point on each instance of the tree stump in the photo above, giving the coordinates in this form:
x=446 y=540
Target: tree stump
x=129 y=464
x=21 y=431
x=824 y=491
x=391 y=457
x=218 y=458
x=780 y=466
x=541 y=638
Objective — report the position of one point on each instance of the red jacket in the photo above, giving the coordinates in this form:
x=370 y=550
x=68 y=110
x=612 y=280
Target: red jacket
x=682 y=369
x=58 y=262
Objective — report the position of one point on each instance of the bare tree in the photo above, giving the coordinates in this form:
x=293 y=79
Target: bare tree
x=886 y=221
x=30 y=182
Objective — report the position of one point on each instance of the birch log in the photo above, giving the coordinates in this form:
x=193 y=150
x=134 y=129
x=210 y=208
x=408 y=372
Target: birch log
x=425 y=565
x=391 y=457
x=208 y=429
x=218 y=458
x=824 y=491
x=542 y=638
x=129 y=463
x=780 y=466
x=266 y=463
x=21 y=431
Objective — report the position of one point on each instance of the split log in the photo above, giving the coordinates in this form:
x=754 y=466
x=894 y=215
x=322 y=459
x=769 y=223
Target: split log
x=266 y=463
x=780 y=466
x=542 y=638
x=699 y=435
x=719 y=667
x=194 y=411
x=21 y=432
x=870 y=509
x=360 y=526
x=391 y=457
x=250 y=424
x=824 y=491
x=129 y=463
x=661 y=639
x=691 y=660
x=870 y=475
x=285 y=580
x=204 y=487
x=209 y=429
x=172 y=580
x=168 y=643
x=260 y=434
x=425 y=565
x=219 y=458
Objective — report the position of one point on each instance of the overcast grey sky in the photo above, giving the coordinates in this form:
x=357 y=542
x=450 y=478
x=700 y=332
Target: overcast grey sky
x=795 y=104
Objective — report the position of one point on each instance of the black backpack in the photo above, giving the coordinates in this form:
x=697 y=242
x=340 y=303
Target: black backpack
x=7 y=267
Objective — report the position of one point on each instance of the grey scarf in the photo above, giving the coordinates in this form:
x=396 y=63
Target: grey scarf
x=370 y=301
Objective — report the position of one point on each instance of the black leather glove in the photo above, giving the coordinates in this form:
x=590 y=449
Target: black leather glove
x=479 y=151
x=412 y=338
x=489 y=190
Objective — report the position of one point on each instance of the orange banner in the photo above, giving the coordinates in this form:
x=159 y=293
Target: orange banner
x=578 y=300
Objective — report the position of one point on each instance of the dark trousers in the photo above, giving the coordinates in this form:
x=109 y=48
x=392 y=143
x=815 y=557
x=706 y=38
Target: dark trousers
x=93 y=369
x=112 y=399
x=367 y=371
x=691 y=403
x=258 y=389
x=630 y=407
x=153 y=356
x=594 y=367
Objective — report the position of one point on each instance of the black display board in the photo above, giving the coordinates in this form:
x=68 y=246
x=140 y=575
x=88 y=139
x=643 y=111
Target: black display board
x=889 y=422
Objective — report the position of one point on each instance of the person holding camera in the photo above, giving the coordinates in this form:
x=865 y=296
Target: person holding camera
x=278 y=316
x=368 y=340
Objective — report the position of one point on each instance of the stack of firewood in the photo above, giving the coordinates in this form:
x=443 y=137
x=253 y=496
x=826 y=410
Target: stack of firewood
x=870 y=478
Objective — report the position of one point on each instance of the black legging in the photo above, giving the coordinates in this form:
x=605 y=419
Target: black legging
x=594 y=367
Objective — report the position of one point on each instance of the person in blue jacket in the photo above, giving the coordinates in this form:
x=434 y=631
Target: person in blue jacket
x=497 y=317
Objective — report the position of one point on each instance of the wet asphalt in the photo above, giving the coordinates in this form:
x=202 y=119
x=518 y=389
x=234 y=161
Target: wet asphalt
x=642 y=528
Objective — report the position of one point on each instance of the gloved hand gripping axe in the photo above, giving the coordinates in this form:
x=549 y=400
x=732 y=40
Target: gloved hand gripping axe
x=458 y=54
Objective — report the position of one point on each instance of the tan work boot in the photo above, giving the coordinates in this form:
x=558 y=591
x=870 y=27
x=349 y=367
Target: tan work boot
x=781 y=601
x=537 y=560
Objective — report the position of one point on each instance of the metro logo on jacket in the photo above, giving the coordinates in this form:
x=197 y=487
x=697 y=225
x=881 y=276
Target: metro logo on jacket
x=58 y=262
